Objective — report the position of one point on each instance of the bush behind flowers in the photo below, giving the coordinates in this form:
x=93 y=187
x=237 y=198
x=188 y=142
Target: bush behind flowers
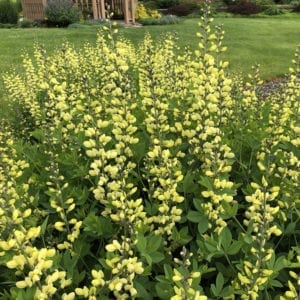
x=139 y=173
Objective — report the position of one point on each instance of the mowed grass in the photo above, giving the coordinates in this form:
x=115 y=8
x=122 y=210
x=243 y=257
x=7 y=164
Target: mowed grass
x=270 y=42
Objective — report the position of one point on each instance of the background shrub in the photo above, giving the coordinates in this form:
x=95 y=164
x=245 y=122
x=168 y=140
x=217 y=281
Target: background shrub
x=296 y=6
x=8 y=25
x=244 y=7
x=8 y=12
x=152 y=4
x=183 y=9
x=61 y=13
x=144 y=12
x=273 y=10
x=263 y=4
x=164 y=20
x=166 y=3
x=25 y=23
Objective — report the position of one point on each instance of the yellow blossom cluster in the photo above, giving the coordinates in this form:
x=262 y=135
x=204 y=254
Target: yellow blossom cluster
x=209 y=111
x=126 y=156
x=31 y=264
x=163 y=164
x=186 y=281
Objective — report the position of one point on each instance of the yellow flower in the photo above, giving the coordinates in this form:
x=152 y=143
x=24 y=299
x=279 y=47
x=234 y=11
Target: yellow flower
x=69 y=296
x=33 y=232
x=59 y=226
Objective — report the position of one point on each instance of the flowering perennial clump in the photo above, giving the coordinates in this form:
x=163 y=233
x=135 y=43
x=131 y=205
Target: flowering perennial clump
x=141 y=173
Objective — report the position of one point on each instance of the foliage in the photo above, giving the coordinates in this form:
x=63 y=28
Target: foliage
x=143 y=12
x=182 y=10
x=152 y=4
x=244 y=7
x=148 y=175
x=263 y=4
x=91 y=23
x=8 y=12
x=8 y=25
x=61 y=13
x=296 y=6
x=25 y=23
x=166 y=3
x=163 y=20
x=273 y=10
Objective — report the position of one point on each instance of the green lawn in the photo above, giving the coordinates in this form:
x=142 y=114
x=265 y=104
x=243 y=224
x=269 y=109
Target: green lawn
x=270 y=41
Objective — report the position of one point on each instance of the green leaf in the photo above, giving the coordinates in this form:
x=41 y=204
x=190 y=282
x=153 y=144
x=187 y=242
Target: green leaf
x=203 y=225
x=38 y=134
x=214 y=290
x=227 y=292
x=280 y=264
x=168 y=271
x=275 y=283
x=194 y=216
x=44 y=226
x=162 y=278
x=154 y=242
x=248 y=239
x=156 y=256
x=69 y=262
x=211 y=246
x=290 y=229
x=219 y=282
x=98 y=225
x=148 y=258
x=197 y=203
x=141 y=243
x=234 y=247
x=205 y=181
x=140 y=149
x=184 y=236
x=225 y=238
x=78 y=277
x=164 y=290
x=188 y=183
x=141 y=291
x=230 y=210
